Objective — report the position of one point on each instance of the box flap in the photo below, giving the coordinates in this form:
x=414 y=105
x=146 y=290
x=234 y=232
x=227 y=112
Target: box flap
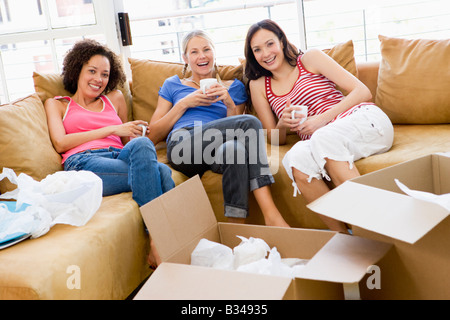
x=186 y=282
x=345 y=259
x=441 y=173
x=394 y=215
x=178 y=219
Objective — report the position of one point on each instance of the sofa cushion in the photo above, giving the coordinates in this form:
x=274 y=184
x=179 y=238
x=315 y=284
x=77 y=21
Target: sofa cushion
x=414 y=80
x=344 y=54
x=25 y=144
x=410 y=142
x=49 y=85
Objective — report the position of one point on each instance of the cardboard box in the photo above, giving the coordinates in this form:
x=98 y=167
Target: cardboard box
x=419 y=266
x=180 y=218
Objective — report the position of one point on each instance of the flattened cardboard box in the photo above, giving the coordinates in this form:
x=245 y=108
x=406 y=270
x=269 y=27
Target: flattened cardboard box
x=180 y=218
x=419 y=266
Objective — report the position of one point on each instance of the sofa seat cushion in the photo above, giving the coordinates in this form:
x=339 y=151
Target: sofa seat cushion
x=108 y=253
x=410 y=142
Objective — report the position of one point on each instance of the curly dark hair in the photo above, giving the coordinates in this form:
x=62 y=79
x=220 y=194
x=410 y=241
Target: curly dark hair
x=253 y=70
x=80 y=54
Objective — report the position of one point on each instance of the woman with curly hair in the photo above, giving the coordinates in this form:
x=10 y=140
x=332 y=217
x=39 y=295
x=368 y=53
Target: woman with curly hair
x=91 y=130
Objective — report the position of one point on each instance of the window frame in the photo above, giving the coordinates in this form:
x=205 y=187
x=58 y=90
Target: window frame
x=106 y=25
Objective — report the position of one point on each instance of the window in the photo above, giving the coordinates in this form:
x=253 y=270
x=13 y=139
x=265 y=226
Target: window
x=157 y=30
x=329 y=22
x=34 y=36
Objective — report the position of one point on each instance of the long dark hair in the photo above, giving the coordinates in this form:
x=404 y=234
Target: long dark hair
x=253 y=70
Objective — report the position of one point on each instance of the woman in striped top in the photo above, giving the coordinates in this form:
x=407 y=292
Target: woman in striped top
x=338 y=129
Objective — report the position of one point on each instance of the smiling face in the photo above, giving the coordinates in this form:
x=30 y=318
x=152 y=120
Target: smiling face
x=94 y=76
x=200 y=57
x=267 y=49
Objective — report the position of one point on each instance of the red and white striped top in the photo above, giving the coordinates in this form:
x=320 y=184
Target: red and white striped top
x=313 y=90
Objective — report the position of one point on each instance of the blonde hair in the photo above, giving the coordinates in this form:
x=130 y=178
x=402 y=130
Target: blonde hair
x=184 y=45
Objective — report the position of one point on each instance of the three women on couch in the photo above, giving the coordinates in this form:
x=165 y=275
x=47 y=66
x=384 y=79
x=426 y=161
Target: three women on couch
x=91 y=130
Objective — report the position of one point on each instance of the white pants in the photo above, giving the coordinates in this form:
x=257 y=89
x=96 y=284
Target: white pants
x=367 y=131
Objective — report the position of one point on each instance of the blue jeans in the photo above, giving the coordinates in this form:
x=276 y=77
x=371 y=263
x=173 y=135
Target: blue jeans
x=134 y=168
x=231 y=146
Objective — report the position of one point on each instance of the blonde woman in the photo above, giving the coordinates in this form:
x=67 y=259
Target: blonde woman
x=207 y=131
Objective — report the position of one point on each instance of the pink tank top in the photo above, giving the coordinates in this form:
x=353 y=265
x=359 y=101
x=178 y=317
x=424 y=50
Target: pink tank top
x=78 y=119
x=313 y=90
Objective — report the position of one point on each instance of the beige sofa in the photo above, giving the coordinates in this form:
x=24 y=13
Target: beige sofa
x=410 y=83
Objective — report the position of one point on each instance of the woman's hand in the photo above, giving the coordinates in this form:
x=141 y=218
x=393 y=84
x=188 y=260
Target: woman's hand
x=298 y=124
x=198 y=99
x=286 y=120
x=215 y=93
x=131 y=129
x=218 y=92
x=311 y=125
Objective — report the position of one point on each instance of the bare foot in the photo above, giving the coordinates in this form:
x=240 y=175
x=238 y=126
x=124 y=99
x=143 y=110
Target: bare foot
x=276 y=221
x=153 y=258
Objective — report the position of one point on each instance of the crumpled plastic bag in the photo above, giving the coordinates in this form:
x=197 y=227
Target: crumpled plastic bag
x=251 y=254
x=65 y=197
x=443 y=200
x=212 y=254
x=249 y=250
x=274 y=265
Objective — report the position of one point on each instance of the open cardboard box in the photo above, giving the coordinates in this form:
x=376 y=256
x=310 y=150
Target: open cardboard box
x=419 y=265
x=180 y=218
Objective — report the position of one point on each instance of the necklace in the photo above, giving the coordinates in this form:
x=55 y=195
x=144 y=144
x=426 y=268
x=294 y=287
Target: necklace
x=191 y=80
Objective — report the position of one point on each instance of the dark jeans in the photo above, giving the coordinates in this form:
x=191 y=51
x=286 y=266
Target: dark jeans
x=233 y=147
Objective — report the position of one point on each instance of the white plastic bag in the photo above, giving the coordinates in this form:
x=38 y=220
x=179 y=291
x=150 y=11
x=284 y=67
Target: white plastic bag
x=249 y=250
x=273 y=265
x=251 y=254
x=212 y=254
x=65 y=197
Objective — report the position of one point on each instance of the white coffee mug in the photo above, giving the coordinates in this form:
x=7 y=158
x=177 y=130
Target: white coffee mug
x=205 y=84
x=303 y=110
x=144 y=129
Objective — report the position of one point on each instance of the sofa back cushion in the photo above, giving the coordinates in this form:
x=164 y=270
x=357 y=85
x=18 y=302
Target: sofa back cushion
x=49 y=85
x=25 y=144
x=414 y=80
x=149 y=75
x=344 y=54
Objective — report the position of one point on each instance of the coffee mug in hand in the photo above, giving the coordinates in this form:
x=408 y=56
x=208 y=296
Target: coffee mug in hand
x=303 y=110
x=205 y=84
x=144 y=129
